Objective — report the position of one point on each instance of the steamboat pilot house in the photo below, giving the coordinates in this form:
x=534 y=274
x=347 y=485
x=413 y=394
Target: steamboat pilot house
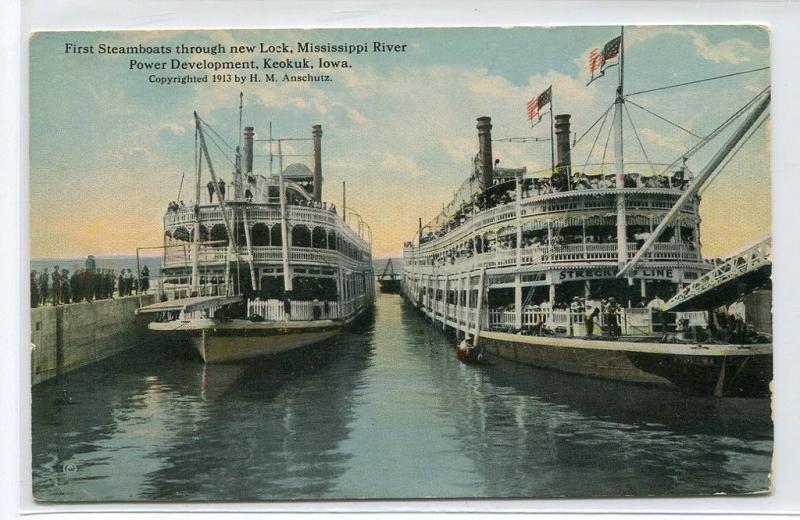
x=290 y=251
x=512 y=241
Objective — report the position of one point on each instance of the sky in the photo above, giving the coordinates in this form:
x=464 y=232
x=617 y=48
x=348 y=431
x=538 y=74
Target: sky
x=108 y=149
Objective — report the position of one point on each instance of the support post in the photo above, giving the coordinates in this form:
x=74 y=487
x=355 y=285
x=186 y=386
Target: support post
x=518 y=301
x=481 y=285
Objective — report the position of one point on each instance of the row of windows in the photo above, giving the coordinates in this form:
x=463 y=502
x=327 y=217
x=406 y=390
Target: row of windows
x=263 y=235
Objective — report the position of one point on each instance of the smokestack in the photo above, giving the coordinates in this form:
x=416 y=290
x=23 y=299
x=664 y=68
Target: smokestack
x=485 y=152
x=248 y=149
x=316 y=133
x=563 y=158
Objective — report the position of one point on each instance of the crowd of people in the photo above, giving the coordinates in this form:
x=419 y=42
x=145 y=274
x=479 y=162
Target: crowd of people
x=504 y=192
x=603 y=316
x=317 y=204
x=88 y=283
x=174 y=206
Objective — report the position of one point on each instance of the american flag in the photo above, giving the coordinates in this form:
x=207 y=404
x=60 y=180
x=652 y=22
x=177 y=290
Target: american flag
x=598 y=60
x=611 y=49
x=536 y=103
x=594 y=62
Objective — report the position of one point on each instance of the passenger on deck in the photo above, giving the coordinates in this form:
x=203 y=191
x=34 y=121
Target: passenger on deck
x=210 y=187
x=287 y=308
x=590 y=318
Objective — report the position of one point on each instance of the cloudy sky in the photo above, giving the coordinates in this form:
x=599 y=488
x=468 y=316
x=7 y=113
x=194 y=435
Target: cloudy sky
x=108 y=148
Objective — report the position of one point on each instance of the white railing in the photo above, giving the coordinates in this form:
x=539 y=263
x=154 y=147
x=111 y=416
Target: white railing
x=632 y=321
x=325 y=257
x=274 y=310
x=537 y=255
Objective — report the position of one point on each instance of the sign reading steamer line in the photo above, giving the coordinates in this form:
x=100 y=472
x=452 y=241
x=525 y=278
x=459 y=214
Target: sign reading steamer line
x=520 y=261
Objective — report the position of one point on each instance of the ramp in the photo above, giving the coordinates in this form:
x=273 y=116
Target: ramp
x=739 y=274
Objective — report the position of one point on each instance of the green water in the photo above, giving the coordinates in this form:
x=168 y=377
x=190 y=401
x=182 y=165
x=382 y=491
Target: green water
x=383 y=411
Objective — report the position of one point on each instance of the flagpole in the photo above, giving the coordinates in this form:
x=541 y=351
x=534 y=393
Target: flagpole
x=622 y=231
x=552 y=152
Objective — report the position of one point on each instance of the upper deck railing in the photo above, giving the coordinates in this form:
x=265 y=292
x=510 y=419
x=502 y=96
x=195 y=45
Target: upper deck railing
x=297 y=255
x=546 y=255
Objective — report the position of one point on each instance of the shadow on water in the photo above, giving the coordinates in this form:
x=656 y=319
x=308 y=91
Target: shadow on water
x=535 y=432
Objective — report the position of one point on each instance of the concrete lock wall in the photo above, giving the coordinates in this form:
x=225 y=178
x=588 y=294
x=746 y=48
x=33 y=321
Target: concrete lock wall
x=66 y=337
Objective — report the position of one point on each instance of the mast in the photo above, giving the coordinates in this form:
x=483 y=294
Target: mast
x=221 y=202
x=238 y=193
x=552 y=140
x=270 y=148
x=622 y=231
x=243 y=205
x=196 y=244
x=287 y=277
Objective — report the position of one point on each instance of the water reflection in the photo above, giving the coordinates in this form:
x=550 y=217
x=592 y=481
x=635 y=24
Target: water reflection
x=166 y=427
x=533 y=432
x=384 y=411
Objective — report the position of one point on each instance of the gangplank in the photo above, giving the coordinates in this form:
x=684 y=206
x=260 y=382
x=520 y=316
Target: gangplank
x=739 y=274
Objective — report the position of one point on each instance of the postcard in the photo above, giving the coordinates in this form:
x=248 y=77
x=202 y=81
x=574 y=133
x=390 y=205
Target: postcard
x=420 y=263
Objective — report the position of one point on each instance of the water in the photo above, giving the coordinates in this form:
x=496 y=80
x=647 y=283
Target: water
x=384 y=411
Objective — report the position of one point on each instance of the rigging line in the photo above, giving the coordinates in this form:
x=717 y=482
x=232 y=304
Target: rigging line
x=599 y=132
x=638 y=139
x=193 y=165
x=216 y=133
x=714 y=133
x=180 y=188
x=214 y=142
x=676 y=125
x=605 y=149
x=603 y=115
x=732 y=155
x=696 y=81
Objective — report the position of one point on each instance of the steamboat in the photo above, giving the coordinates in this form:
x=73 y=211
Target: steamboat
x=266 y=267
x=596 y=269
x=389 y=281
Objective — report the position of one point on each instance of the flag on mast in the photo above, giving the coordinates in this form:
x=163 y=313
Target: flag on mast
x=536 y=103
x=599 y=61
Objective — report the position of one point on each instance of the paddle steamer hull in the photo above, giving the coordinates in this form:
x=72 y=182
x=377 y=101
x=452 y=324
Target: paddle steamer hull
x=220 y=342
x=721 y=370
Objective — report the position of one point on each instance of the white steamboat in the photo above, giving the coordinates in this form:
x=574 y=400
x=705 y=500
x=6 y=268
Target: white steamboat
x=267 y=268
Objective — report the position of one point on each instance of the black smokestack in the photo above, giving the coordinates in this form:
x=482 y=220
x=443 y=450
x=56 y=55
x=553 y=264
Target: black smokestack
x=316 y=133
x=248 y=149
x=485 y=152
x=563 y=158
